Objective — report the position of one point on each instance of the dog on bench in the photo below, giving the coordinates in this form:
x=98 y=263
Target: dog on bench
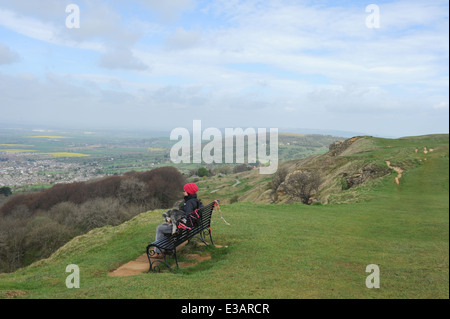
x=173 y=216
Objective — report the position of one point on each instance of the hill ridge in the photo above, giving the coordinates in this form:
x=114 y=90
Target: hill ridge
x=348 y=164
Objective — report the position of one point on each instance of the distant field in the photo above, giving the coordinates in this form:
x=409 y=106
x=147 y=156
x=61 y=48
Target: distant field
x=17 y=151
x=63 y=154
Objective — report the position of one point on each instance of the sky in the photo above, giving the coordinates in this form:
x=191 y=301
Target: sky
x=379 y=70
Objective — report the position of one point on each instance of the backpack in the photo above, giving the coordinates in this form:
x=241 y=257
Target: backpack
x=193 y=219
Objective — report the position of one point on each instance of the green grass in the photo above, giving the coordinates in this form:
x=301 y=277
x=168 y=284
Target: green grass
x=278 y=251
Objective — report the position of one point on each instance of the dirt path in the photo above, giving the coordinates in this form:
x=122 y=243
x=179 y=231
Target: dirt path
x=234 y=185
x=398 y=170
x=132 y=268
x=140 y=265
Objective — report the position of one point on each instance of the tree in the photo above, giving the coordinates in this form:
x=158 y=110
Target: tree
x=277 y=180
x=203 y=171
x=99 y=212
x=222 y=170
x=5 y=191
x=132 y=190
x=45 y=236
x=241 y=168
x=303 y=184
x=12 y=249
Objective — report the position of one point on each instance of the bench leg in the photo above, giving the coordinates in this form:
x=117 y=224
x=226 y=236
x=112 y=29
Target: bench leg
x=175 y=256
x=203 y=239
x=210 y=237
x=156 y=262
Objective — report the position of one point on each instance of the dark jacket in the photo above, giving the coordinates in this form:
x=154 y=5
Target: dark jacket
x=191 y=203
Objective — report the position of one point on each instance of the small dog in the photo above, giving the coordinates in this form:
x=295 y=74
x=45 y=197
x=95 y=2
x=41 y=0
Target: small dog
x=173 y=216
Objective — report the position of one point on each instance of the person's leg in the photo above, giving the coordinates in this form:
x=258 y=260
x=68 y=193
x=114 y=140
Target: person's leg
x=161 y=231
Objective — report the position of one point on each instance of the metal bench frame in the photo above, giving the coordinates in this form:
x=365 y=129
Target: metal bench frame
x=168 y=245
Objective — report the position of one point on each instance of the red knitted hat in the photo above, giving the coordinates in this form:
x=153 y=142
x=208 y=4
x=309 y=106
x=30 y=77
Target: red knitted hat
x=191 y=188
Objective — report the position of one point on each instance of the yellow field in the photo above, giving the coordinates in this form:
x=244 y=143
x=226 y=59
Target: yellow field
x=63 y=154
x=16 y=145
x=17 y=151
x=155 y=149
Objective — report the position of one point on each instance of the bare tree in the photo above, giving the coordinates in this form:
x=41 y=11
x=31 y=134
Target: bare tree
x=132 y=190
x=64 y=213
x=277 y=179
x=45 y=236
x=303 y=184
x=3 y=250
x=13 y=247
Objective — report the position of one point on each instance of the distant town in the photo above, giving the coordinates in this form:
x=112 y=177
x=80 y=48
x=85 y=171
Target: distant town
x=27 y=169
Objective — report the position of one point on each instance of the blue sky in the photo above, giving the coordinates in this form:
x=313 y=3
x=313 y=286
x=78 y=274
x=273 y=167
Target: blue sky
x=158 y=65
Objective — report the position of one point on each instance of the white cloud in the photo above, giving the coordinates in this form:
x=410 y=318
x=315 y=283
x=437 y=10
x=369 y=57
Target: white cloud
x=43 y=31
x=27 y=26
x=441 y=105
x=122 y=58
x=289 y=109
x=43 y=9
x=169 y=9
x=101 y=30
x=183 y=39
x=7 y=56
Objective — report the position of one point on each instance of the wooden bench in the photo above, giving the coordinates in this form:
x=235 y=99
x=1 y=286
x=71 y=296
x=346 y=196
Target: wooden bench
x=168 y=245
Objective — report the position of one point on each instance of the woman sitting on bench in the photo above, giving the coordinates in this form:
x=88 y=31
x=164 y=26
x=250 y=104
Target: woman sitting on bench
x=191 y=203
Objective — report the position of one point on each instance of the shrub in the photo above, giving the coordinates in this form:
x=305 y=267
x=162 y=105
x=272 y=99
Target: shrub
x=44 y=236
x=132 y=190
x=234 y=199
x=202 y=172
x=303 y=184
x=241 y=168
x=5 y=191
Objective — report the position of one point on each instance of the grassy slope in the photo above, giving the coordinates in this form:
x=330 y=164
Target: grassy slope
x=282 y=251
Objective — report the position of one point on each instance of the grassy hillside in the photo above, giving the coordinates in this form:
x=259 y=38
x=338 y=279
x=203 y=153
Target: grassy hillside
x=360 y=160
x=282 y=250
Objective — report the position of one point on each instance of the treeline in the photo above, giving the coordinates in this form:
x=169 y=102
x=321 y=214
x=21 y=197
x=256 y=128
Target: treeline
x=211 y=170
x=156 y=188
x=33 y=226
x=310 y=140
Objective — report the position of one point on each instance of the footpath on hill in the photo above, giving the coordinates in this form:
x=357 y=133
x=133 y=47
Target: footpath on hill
x=141 y=264
x=398 y=170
